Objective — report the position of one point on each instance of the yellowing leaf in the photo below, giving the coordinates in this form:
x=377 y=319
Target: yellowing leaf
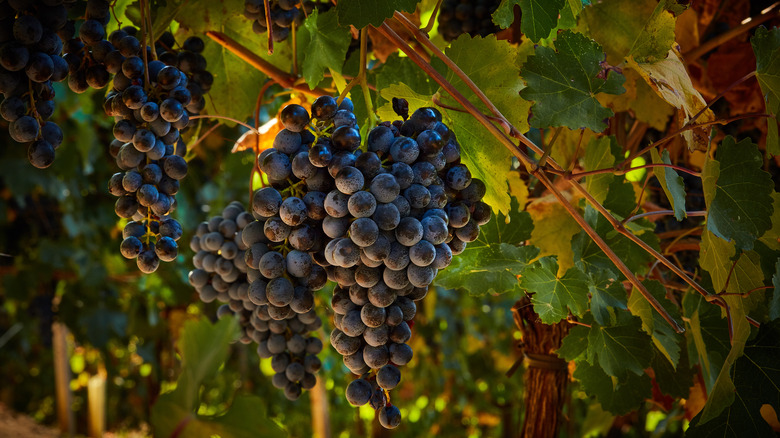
x=553 y=231
x=517 y=188
x=670 y=80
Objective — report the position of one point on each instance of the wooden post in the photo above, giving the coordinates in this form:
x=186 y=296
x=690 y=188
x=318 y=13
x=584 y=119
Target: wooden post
x=320 y=410
x=96 y=397
x=65 y=417
x=546 y=374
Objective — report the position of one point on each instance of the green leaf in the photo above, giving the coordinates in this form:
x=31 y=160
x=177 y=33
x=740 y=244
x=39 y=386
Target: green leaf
x=598 y=155
x=606 y=297
x=569 y=13
x=722 y=394
x=664 y=337
x=401 y=91
x=554 y=297
x=564 y=84
x=671 y=183
x=514 y=229
x=708 y=336
x=617 y=396
x=621 y=349
x=539 y=17
x=397 y=69
x=575 y=344
x=485 y=156
x=756 y=378
x=717 y=257
x=588 y=256
x=674 y=381
x=766 y=46
x=504 y=15
x=204 y=347
x=774 y=306
x=738 y=193
x=641 y=29
x=492 y=269
x=492 y=65
x=361 y=13
x=324 y=45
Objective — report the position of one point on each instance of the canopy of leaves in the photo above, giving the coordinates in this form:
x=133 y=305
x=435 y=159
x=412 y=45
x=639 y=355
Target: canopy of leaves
x=756 y=380
x=738 y=193
x=766 y=45
x=563 y=83
x=323 y=44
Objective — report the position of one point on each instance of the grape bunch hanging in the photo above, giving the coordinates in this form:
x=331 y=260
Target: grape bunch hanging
x=283 y=14
x=379 y=222
x=271 y=294
x=151 y=102
x=29 y=62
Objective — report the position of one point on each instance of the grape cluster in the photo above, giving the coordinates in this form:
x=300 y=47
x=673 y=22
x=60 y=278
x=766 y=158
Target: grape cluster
x=29 y=62
x=271 y=293
x=148 y=103
x=457 y=17
x=283 y=14
x=383 y=222
x=188 y=59
x=91 y=59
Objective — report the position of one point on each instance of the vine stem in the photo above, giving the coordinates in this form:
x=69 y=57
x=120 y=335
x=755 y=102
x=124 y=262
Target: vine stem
x=618 y=171
x=432 y=20
x=144 y=25
x=529 y=164
x=269 y=26
x=765 y=15
x=662 y=213
x=279 y=76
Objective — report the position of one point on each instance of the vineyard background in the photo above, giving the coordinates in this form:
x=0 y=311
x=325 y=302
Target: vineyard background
x=60 y=265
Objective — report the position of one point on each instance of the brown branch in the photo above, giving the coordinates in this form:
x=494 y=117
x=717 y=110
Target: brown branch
x=529 y=164
x=767 y=14
x=618 y=171
x=269 y=27
x=663 y=213
x=281 y=77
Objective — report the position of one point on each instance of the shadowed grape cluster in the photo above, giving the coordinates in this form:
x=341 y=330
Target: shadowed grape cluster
x=457 y=17
x=267 y=291
x=30 y=61
x=284 y=13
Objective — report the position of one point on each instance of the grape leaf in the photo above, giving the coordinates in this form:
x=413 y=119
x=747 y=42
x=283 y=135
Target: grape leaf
x=620 y=349
x=588 y=256
x=504 y=15
x=756 y=379
x=738 y=193
x=666 y=340
x=641 y=29
x=485 y=156
x=598 y=155
x=722 y=393
x=554 y=297
x=671 y=82
x=323 y=44
x=717 y=257
x=707 y=334
x=204 y=347
x=563 y=84
x=575 y=344
x=619 y=397
x=766 y=46
x=361 y=13
x=401 y=91
x=490 y=269
x=402 y=70
x=492 y=65
x=492 y=263
x=605 y=294
x=553 y=230
x=569 y=13
x=674 y=381
x=671 y=183
x=539 y=17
